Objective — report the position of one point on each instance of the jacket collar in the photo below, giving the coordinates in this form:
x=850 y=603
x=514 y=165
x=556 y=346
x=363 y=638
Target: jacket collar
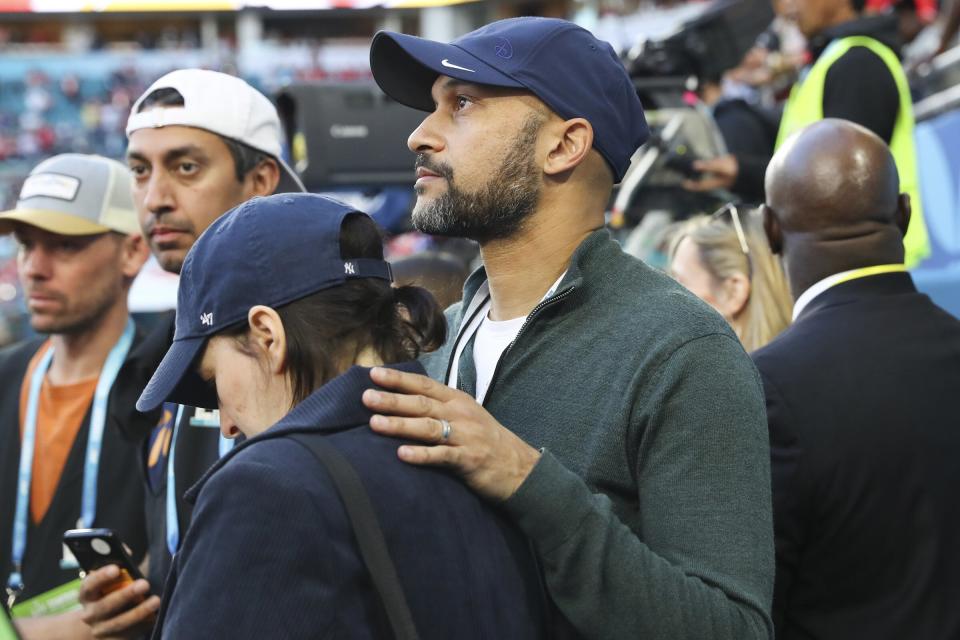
x=887 y=284
x=334 y=407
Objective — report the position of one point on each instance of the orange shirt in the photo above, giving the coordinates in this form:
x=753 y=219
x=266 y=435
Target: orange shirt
x=60 y=414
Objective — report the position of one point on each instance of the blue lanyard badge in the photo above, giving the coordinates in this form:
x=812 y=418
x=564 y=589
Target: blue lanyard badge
x=91 y=463
x=200 y=418
x=173 y=525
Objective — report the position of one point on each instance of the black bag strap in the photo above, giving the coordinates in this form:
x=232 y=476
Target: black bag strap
x=369 y=535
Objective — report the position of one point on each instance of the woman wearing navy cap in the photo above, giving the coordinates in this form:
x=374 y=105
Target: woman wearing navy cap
x=283 y=303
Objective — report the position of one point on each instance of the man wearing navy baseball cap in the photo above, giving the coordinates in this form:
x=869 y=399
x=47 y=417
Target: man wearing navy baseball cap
x=641 y=474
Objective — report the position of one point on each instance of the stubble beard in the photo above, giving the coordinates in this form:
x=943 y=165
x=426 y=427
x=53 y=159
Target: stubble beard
x=84 y=314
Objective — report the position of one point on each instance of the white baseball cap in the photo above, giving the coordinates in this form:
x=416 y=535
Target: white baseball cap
x=221 y=104
x=76 y=195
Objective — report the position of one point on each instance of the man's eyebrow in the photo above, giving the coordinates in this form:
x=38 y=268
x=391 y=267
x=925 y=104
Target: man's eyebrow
x=172 y=154
x=453 y=83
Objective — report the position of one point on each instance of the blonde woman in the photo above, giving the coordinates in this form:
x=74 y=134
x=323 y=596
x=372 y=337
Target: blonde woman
x=724 y=260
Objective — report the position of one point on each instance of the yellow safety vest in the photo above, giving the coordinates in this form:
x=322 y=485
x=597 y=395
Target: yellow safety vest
x=805 y=106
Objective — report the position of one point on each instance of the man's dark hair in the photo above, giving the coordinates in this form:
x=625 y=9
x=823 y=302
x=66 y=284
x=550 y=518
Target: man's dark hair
x=859 y=5
x=245 y=157
x=327 y=330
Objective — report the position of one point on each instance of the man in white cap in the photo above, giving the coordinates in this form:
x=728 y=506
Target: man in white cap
x=200 y=143
x=62 y=464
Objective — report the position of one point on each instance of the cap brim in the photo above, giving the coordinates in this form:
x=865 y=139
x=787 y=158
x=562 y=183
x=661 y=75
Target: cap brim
x=52 y=221
x=176 y=379
x=406 y=67
x=290 y=182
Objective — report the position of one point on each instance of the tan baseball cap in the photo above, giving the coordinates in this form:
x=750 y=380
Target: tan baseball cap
x=75 y=195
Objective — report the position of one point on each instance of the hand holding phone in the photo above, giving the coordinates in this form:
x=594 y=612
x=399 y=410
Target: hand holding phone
x=124 y=614
x=98 y=548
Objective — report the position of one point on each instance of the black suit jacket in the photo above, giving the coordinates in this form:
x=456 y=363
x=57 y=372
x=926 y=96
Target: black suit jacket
x=863 y=397
x=197 y=448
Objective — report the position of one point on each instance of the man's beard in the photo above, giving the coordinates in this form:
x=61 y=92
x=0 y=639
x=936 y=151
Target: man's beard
x=498 y=209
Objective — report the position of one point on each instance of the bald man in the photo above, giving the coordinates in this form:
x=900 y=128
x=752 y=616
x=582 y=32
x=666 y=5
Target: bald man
x=863 y=394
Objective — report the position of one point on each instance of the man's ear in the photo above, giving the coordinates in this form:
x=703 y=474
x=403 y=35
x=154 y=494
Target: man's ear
x=268 y=337
x=904 y=212
x=570 y=143
x=771 y=228
x=263 y=179
x=135 y=253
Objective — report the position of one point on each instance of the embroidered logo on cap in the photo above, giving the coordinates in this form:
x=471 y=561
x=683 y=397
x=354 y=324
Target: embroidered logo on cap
x=349 y=268
x=450 y=65
x=206 y=319
x=503 y=49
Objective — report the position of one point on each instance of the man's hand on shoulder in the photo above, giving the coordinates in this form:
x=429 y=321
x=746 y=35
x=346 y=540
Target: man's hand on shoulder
x=458 y=433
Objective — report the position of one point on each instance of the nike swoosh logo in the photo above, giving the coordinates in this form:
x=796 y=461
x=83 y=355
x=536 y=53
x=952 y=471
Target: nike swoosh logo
x=450 y=65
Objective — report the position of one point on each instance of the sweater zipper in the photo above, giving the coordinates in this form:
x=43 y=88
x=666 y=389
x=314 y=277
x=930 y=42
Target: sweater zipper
x=493 y=380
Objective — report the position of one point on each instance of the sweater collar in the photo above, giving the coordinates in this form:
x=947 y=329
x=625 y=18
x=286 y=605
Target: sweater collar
x=595 y=246
x=334 y=407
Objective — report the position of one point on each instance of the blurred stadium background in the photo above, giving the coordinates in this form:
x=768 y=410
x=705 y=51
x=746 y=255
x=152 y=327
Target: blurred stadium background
x=70 y=70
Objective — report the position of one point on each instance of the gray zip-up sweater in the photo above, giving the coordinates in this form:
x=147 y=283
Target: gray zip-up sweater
x=650 y=508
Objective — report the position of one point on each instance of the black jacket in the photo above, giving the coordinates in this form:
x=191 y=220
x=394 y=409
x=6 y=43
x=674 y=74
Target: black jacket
x=863 y=397
x=270 y=552
x=858 y=87
x=197 y=448
x=119 y=491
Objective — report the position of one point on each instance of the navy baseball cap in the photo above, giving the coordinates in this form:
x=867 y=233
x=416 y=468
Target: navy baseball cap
x=267 y=251
x=563 y=64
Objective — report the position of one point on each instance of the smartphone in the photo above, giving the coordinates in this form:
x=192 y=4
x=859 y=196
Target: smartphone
x=97 y=548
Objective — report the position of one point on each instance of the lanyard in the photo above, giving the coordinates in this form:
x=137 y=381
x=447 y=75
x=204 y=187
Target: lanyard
x=173 y=525
x=173 y=521
x=91 y=463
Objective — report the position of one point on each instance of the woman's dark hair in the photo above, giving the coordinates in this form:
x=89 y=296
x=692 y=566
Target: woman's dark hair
x=327 y=330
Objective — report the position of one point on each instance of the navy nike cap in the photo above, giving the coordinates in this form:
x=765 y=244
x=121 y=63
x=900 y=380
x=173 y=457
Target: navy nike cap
x=267 y=251
x=563 y=64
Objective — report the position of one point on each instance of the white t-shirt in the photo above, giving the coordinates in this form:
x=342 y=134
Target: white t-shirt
x=492 y=338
